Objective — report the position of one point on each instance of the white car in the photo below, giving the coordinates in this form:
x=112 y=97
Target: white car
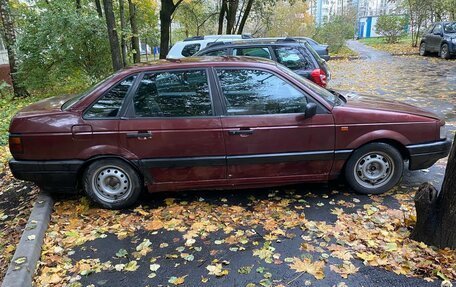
x=191 y=45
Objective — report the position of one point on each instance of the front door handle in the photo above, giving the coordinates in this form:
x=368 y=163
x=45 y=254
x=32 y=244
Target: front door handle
x=140 y=135
x=240 y=132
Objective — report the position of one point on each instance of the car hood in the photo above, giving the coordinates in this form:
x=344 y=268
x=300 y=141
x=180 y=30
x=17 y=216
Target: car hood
x=377 y=103
x=53 y=104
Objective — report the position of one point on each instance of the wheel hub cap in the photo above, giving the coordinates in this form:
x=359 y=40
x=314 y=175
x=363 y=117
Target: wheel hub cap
x=111 y=183
x=374 y=170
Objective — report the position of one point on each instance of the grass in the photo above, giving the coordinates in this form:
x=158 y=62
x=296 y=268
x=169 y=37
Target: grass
x=403 y=46
x=343 y=52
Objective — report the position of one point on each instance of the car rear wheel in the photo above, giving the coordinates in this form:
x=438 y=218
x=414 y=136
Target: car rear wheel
x=112 y=183
x=444 y=52
x=423 y=51
x=374 y=168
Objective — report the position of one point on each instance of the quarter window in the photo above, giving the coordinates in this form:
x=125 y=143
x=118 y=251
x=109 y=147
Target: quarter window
x=292 y=58
x=261 y=52
x=108 y=106
x=255 y=92
x=190 y=49
x=173 y=94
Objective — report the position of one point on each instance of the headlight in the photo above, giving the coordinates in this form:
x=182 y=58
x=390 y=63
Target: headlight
x=443 y=132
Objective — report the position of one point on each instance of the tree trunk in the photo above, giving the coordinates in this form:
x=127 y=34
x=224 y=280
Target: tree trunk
x=134 y=31
x=248 y=8
x=436 y=212
x=99 y=10
x=123 y=28
x=78 y=5
x=167 y=9
x=10 y=43
x=231 y=15
x=112 y=35
x=221 y=17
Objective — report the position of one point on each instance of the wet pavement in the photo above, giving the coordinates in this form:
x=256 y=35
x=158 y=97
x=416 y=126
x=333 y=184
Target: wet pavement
x=258 y=237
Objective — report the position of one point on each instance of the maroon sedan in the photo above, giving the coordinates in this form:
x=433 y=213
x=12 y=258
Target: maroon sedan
x=217 y=123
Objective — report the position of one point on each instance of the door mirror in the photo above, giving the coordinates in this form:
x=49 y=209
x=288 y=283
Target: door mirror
x=311 y=110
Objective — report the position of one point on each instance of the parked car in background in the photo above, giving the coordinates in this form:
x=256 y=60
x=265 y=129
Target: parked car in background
x=190 y=46
x=228 y=122
x=441 y=39
x=322 y=50
x=295 y=54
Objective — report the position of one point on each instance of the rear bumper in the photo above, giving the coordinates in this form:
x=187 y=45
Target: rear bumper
x=425 y=155
x=55 y=175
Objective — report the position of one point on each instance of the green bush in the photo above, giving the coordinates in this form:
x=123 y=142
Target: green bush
x=392 y=27
x=62 y=49
x=336 y=32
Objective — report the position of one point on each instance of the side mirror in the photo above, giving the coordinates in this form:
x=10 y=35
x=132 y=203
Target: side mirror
x=311 y=110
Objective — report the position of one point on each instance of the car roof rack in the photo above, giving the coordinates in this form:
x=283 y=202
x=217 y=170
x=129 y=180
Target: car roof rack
x=194 y=38
x=287 y=39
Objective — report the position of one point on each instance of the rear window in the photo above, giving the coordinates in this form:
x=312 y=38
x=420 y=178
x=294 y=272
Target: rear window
x=293 y=58
x=260 y=52
x=190 y=49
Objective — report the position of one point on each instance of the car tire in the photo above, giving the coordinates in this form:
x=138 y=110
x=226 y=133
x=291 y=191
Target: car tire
x=423 y=51
x=112 y=183
x=374 y=168
x=445 y=52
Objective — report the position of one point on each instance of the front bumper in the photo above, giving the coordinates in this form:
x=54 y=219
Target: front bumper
x=56 y=175
x=425 y=155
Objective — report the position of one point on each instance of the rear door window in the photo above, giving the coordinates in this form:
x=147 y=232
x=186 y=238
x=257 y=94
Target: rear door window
x=260 y=52
x=190 y=49
x=216 y=53
x=293 y=58
x=173 y=94
x=109 y=105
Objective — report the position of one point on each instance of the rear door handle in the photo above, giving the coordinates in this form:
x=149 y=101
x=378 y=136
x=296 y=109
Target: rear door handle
x=240 y=132
x=140 y=135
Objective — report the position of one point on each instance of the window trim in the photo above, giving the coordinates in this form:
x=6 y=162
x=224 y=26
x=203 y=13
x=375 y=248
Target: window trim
x=130 y=109
x=221 y=96
x=122 y=106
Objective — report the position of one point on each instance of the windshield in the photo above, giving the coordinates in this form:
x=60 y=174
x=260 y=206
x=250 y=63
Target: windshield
x=79 y=97
x=325 y=94
x=450 y=27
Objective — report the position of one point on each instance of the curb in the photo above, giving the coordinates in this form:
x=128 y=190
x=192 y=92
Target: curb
x=28 y=251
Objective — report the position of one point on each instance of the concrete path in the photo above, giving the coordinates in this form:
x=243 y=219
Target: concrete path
x=366 y=52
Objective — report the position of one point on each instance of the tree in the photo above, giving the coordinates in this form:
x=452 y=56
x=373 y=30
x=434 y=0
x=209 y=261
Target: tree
x=391 y=26
x=123 y=27
x=135 y=33
x=419 y=11
x=248 y=8
x=221 y=18
x=168 y=7
x=231 y=16
x=99 y=10
x=10 y=42
x=436 y=212
x=62 y=49
x=112 y=35
x=289 y=19
x=194 y=17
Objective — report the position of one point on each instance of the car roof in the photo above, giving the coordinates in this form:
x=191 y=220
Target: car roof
x=192 y=62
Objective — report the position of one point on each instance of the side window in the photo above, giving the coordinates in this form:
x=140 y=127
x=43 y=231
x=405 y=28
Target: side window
x=173 y=94
x=438 y=28
x=190 y=49
x=261 y=52
x=255 y=92
x=292 y=58
x=108 y=106
x=222 y=52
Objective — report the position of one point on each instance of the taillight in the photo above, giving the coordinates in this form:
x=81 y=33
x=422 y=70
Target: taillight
x=15 y=144
x=319 y=77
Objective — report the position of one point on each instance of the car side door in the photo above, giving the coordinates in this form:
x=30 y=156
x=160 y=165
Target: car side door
x=268 y=136
x=173 y=130
x=436 y=37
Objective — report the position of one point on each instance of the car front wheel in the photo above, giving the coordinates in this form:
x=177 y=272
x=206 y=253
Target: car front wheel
x=112 y=183
x=423 y=51
x=444 y=52
x=374 y=168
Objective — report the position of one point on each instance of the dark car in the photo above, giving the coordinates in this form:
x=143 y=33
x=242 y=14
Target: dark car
x=295 y=54
x=322 y=50
x=228 y=122
x=441 y=39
